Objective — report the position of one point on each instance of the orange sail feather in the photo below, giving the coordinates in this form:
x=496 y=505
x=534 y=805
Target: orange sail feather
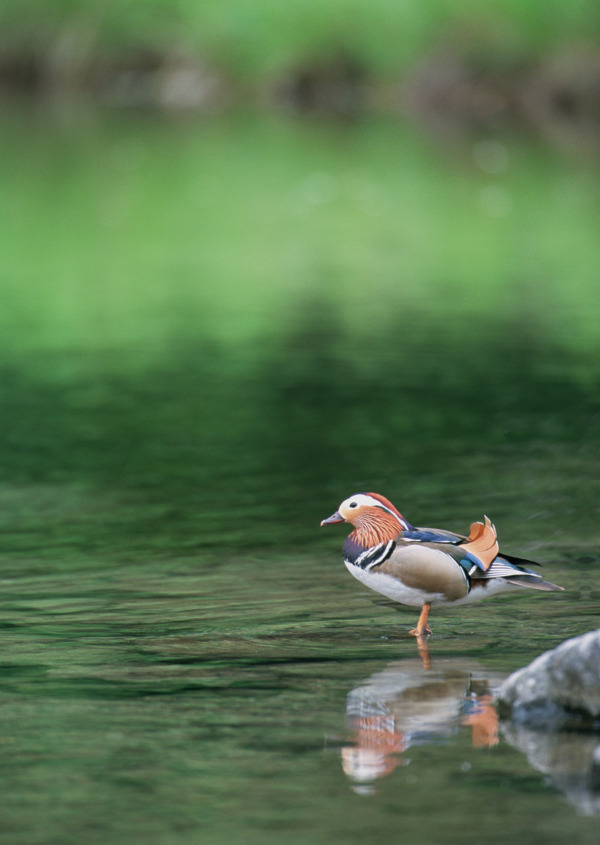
x=482 y=542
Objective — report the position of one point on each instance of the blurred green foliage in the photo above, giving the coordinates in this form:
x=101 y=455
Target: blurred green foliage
x=255 y=39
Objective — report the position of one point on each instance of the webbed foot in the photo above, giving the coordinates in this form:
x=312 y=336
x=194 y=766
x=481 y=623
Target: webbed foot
x=425 y=631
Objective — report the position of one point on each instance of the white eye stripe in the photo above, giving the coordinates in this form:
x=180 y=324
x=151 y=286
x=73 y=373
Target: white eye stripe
x=361 y=500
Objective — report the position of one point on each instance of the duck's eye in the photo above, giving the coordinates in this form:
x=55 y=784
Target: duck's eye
x=353 y=505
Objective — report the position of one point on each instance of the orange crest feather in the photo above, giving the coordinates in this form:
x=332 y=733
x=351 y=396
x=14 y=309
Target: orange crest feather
x=482 y=542
x=387 y=504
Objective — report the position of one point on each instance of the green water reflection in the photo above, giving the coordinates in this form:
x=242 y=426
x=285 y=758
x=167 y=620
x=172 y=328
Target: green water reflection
x=211 y=333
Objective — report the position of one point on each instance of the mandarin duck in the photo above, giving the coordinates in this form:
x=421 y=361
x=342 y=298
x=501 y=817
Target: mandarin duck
x=423 y=567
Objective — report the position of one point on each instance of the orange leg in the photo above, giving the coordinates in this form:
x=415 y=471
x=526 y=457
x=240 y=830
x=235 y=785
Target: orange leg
x=422 y=626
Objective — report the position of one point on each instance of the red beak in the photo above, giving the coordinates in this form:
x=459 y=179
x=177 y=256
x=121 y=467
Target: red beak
x=335 y=517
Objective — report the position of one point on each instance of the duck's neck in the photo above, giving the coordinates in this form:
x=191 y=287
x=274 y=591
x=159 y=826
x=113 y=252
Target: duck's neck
x=374 y=529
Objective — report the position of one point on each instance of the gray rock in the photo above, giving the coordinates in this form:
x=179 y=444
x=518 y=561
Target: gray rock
x=561 y=688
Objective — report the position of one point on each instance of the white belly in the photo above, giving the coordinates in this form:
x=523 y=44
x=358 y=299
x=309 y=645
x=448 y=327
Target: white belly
x=392 y=588
x=395 y=590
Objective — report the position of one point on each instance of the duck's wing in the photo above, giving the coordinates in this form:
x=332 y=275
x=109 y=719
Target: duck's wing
x=480 y=548
x=432 y=535
x=478 y=555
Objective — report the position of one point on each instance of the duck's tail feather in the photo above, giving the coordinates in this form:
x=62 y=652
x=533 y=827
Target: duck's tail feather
x=533 y=581
x=520 y=561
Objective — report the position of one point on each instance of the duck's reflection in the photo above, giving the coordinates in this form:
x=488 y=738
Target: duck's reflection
x=409 y=703
x=421 y=701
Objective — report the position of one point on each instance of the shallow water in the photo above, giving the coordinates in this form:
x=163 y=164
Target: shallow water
x=194 y=372
x=173 y=703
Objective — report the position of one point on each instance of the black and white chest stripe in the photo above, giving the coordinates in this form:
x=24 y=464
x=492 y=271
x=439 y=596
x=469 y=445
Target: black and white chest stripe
x=372 y=557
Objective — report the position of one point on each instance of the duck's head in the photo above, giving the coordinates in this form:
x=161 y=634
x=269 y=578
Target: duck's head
x=368 y=511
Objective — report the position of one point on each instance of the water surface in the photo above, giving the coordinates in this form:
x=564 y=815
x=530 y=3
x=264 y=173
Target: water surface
x=211 y=333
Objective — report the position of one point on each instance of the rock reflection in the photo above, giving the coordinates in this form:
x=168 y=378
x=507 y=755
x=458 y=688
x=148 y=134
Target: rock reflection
x=409 y=703
x=570 y=760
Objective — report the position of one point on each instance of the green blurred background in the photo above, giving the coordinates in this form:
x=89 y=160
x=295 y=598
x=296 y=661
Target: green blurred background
x=257 y=257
